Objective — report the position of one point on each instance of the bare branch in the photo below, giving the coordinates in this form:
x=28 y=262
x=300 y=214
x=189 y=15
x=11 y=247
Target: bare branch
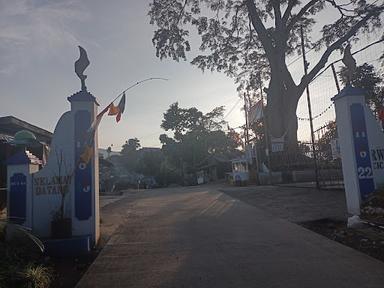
x=340 y=8
x=260 y=28
x=323 y=60
x=339 y=60
x=301 y=13
x=181 y=14
x=287 y=13
x=277 y=12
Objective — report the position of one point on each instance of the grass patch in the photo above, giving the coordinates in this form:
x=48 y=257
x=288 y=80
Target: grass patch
x=37 y=276
x=22 y=263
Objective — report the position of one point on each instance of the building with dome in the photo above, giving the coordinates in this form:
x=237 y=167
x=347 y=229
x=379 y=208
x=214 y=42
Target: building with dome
x=17 y=131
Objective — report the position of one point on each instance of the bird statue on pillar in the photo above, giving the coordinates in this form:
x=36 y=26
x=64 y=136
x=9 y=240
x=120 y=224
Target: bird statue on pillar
x=80 y=65
x=350 y=63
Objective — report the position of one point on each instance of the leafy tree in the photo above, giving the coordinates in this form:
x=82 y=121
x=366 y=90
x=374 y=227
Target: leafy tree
x=196 y=136
x=246 y=39
x=367 y=78
x=324 y=142
x=181 y=120
x=130 y=146
x=129 y=155
x=149 y=163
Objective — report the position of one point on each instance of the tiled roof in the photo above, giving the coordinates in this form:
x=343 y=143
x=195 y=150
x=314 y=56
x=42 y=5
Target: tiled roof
x=5 y=138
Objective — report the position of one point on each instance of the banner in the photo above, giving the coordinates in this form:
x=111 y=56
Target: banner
x=277 y=144
x=255 y=112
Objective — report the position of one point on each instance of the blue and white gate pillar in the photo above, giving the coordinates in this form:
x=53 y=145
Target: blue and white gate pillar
x=85 y=197
x=19 y=198
x=361 y=146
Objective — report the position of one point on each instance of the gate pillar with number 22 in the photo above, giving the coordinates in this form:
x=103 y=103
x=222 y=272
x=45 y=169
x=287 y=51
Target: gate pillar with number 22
x=361 y=142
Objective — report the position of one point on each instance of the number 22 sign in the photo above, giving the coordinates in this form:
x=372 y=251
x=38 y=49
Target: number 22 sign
x=363 y=159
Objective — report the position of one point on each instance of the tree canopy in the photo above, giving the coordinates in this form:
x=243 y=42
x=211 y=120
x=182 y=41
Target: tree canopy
x=249 y=40
x=367 y=77
x=130 y=145
x=196 y=136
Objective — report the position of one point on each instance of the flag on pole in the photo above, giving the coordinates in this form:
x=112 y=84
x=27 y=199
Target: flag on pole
x=121 y=107
x=255 y=112
x=117 y=110
x=113 y=110
x=97 y=120
x=90 y=136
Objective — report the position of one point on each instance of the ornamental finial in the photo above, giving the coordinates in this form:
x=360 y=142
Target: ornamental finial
x=80 y=65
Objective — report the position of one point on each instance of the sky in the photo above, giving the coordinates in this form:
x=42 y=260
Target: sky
x=38 y=48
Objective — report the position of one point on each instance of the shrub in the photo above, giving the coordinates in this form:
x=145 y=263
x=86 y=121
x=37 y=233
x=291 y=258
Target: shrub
x=36 y=276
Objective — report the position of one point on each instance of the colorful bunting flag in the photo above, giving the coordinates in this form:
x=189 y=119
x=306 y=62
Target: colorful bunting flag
x=97 y=120
x=113 y=110
x=121 y=107
x=86 y=155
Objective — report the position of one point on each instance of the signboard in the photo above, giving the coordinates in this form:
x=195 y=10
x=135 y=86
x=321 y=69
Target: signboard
x=377 y=158
x=362 y=152
x=335 y=149
x=277 y=147
x=51 y=185
x=277 y=144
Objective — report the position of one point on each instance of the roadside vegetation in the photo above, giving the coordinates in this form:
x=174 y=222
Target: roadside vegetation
x=21 y=261
x=192 y=140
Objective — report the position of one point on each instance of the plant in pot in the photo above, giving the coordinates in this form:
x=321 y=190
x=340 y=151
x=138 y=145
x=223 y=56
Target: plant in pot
x=61 y=225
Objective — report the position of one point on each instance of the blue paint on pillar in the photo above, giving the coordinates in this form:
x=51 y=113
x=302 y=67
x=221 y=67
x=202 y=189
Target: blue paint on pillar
x=18 y=198
x=83 y=172
x=362 y=153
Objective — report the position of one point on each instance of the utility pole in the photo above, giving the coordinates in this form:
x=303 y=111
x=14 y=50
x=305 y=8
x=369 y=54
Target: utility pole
x=254 y=162
x=246 y=121
x=335 y=77
x=309 y=109
x=266 y=133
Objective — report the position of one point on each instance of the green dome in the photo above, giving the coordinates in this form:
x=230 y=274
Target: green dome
x=24 y=136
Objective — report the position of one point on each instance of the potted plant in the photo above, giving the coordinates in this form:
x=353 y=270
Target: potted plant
x=61 y=226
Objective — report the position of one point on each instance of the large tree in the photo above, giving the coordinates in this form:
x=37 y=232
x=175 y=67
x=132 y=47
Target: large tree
x=368 y=78
x=247 y=39
x=196 y=136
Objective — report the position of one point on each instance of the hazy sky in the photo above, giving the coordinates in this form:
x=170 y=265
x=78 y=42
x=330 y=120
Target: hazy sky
x=38 y=46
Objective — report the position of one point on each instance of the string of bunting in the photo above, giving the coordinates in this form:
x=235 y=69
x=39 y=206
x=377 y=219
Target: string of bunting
x=113 y=110
x=317 y=116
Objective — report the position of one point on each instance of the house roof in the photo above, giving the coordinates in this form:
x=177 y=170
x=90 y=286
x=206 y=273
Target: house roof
x=23 y=157
x=9 y=125
x=213 y=160
x=5 y=138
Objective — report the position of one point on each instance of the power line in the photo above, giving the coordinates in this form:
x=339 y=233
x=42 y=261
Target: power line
x=233 y=107
x=358 y=51
x=138 y=83
x=300 y=57
x=316 y=116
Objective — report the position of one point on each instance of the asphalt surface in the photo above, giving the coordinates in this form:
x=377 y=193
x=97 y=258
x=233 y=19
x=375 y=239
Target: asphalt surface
x=200 y=237
x=296 y=204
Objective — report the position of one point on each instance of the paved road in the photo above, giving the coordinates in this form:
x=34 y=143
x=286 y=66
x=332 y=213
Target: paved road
x=296 y=204
x=200 y=237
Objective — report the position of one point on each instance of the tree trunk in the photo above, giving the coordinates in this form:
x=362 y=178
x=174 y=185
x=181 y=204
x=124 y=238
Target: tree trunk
x=281 y=112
